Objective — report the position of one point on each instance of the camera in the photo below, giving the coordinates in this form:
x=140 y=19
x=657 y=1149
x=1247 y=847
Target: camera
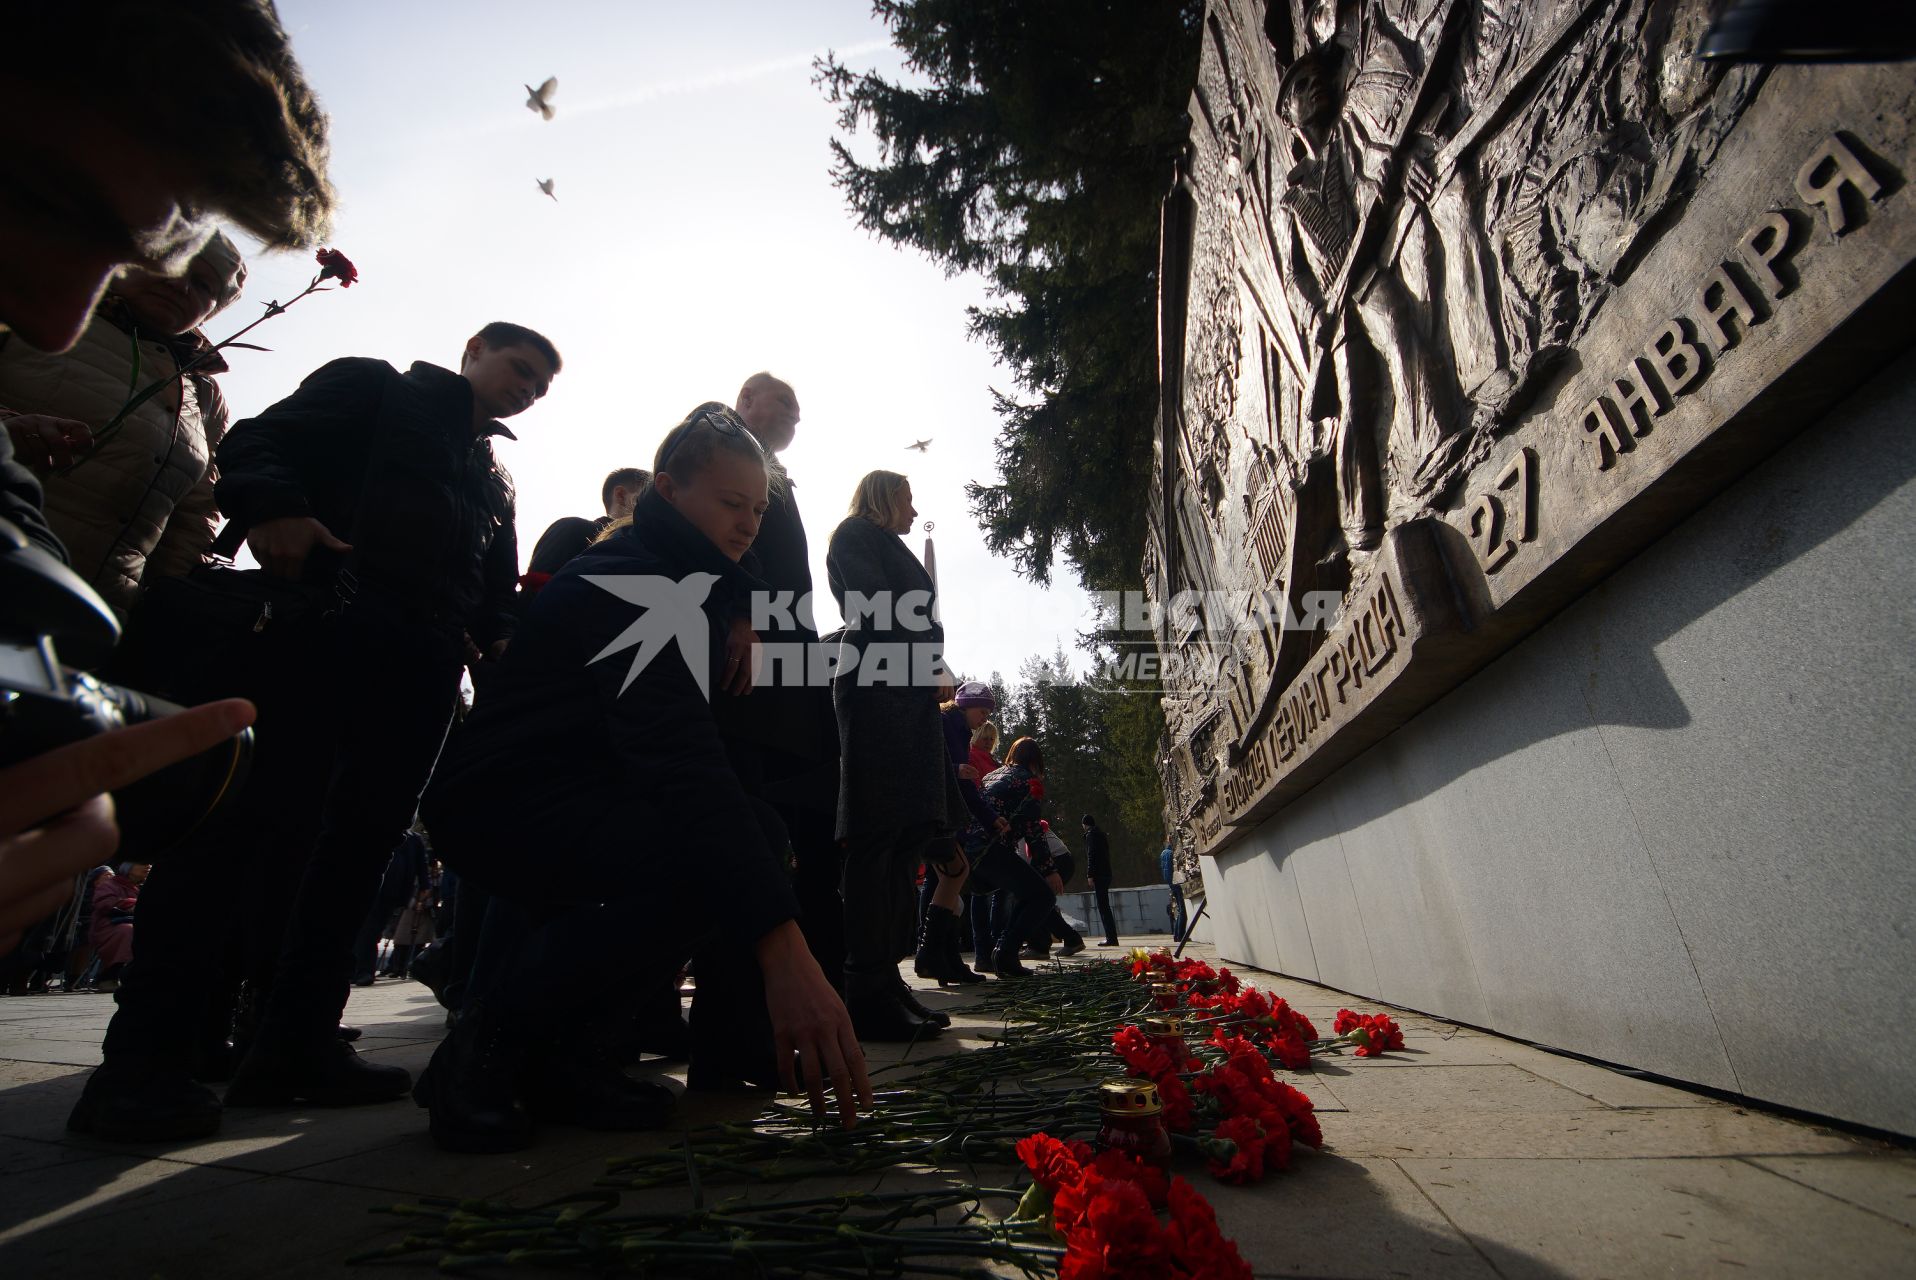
x=47 y=610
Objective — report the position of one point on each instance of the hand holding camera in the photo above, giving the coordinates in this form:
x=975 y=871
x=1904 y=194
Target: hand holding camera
x=67 y=740
x=56 y=818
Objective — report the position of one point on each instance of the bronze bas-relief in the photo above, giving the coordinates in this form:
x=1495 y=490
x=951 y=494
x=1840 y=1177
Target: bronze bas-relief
x=1463 y=303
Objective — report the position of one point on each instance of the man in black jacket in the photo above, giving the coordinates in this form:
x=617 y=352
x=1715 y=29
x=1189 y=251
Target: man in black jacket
x=783 y=738
x=380 y=491
x=1097 y=857
x=569 y=535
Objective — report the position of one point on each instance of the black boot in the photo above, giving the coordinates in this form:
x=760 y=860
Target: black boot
x=910 y=1000
x=583 y=1085
x=937 y=945
x=471 y=1087
x=327 y=1073
x=961 y=973
x=1006 y=964
x=878 y=1014
x=144 y=1102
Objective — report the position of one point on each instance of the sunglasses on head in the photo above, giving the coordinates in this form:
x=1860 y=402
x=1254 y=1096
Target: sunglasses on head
x=723 y=421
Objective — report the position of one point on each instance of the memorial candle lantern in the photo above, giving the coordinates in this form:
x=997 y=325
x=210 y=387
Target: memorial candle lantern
x=1168 y=1035
x=1165 y=995
x=1133 y=1121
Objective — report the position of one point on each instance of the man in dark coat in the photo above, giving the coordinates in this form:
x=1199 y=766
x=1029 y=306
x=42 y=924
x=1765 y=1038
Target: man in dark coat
x=379 y=490
x=569 y=535
x=1097 y=857
x=783 y=738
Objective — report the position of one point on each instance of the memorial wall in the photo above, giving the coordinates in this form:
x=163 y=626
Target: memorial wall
x=1531 y=531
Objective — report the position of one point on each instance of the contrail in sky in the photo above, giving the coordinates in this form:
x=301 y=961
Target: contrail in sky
x=507 y=121
x=717 y=79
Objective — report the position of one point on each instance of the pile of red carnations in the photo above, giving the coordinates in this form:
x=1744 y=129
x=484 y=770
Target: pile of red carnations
x=1104 y=1207
x=1254 y=1119
x=1372 y=1033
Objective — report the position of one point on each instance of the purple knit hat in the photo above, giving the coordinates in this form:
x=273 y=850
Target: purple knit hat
x=975 y=693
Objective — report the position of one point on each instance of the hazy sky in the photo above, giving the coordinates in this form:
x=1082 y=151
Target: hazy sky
x=696 y=238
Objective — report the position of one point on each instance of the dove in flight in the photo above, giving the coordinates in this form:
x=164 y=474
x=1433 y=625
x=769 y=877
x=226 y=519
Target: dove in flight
x=540 y=99
x=923 y=446
x=671 y=610
x=545 y=185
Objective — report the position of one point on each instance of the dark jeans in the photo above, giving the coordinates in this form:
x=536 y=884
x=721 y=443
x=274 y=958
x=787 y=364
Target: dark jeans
x=1103 y=895
x=347 y=733
x=1178 y=921
x=1032 y=903
x=987 y=915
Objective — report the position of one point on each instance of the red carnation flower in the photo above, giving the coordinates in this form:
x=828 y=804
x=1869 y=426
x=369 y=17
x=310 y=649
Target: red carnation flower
x=1053 y=1164
x=1236 y=1151
x=1122 y=1166
x=1179 y=1113
x=334 y=265
x=1140 y=1056
x=1372 y=1033
x=1200 y=1248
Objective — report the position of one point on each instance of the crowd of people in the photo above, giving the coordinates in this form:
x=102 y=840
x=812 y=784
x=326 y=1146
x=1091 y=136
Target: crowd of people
x=804 y=837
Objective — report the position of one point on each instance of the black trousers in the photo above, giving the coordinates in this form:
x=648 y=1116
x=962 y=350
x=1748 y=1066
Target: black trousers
x=1057 y=927
x=803 y=793
x=881 y=901
x=1103 y=895
x=348 y=731
x=549 y=932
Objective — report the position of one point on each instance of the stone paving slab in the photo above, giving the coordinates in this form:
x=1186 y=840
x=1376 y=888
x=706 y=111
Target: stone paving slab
x=1466 y=1156
x=1689 y=1217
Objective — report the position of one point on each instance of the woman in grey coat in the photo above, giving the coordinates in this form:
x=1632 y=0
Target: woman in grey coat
x=898 y=798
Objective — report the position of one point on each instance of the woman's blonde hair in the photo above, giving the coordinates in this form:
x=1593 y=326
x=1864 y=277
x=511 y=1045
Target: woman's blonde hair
x=985 y=735
x=876 y=497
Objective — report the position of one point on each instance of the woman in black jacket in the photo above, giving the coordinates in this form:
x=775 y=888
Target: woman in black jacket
x=898 y=798
x=591 y=794
x=1014 y=792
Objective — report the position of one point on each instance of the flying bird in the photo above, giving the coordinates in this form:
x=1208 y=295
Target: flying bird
x=923 y=446
x=540 y=99
x=545 y=185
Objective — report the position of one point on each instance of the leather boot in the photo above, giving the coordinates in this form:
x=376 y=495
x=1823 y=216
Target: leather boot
x=937 y=938
x=143 y=1101
x=910 y=1000
x=961 y=973
x=582 y=1084
x=328 y=1073
x=471 y=1086
x=878 y=1014
x=1006 y=963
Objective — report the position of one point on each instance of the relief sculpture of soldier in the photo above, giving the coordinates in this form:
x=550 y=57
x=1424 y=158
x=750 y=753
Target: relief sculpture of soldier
x=1394 y=385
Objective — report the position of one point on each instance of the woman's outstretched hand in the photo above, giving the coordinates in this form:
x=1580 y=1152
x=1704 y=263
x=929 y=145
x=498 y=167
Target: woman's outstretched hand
x=809 y=1019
